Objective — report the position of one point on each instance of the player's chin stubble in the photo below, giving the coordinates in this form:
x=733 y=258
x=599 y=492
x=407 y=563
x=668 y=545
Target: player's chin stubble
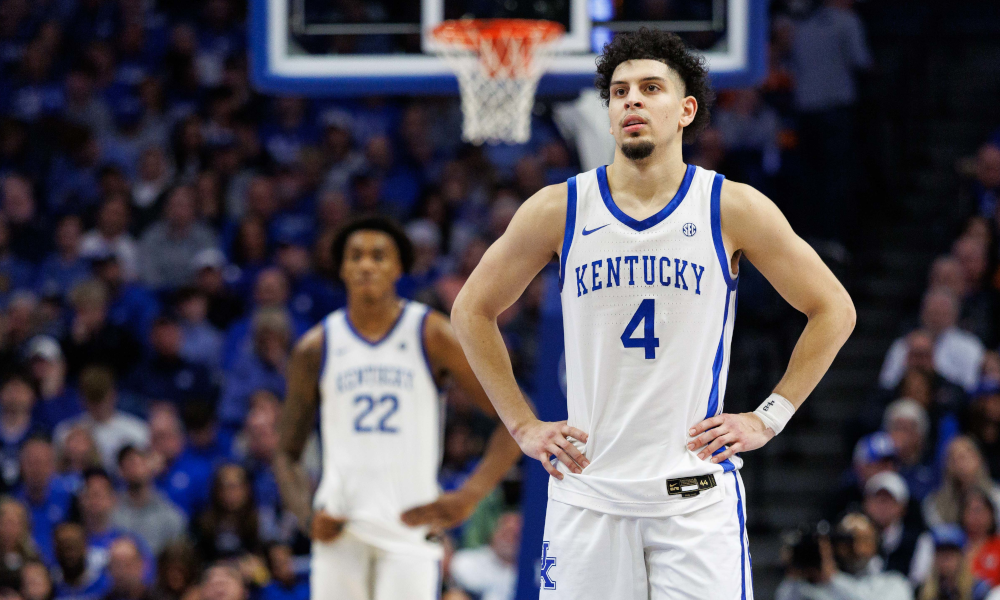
x=638 y=150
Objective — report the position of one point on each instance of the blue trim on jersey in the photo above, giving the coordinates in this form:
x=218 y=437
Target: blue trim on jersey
x=713 y=396
x=326 y=340
x=720 y=248
x=347 y=319
x=743 y=562
x=423 y=343
x=570 y=227
x=602 y=183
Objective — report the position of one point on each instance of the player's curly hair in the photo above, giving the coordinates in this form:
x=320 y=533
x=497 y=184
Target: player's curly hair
x=669 y=49
x=373 y=223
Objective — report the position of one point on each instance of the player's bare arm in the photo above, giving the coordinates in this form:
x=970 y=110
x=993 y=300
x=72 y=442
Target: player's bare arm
x=298 y=417
x=753 y=225
x=533 y=237
x=446 y=356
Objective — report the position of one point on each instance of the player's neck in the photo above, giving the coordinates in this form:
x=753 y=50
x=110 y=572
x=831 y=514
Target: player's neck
x=374 y=317
x=647 y=179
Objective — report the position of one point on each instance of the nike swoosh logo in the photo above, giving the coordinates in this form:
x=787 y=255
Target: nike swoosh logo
x=585 y=232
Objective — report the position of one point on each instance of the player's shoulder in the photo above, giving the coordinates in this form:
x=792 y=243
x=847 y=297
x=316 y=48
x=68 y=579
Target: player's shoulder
x=548 y=201
x=742 y=204
x=312 y=341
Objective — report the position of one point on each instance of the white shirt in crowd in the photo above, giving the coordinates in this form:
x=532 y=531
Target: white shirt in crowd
x=480 y=571
x=121 y=430
x=958 y=356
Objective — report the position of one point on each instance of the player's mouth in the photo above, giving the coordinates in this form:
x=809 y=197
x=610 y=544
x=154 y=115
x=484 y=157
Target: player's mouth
x=633 y=123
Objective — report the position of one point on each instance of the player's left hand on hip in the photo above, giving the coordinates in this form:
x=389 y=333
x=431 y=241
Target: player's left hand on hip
x=449 y=510
x=739 y=432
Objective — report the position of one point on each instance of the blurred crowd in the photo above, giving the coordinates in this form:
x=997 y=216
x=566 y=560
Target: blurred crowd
x=916 y=515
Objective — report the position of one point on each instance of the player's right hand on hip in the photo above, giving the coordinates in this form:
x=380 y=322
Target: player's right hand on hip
x=541 y=440
x=326 y=528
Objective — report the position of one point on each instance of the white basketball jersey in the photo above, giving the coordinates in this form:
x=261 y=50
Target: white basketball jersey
x=381 y=429
x=648 y=310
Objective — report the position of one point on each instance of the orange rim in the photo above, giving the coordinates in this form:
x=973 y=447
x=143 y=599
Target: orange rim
x=469 y=33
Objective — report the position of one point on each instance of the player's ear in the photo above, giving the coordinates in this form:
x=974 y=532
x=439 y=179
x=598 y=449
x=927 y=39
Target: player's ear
x=689 y=108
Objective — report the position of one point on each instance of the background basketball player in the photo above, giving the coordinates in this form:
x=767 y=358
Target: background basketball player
x=371 y=370
x=645 y=500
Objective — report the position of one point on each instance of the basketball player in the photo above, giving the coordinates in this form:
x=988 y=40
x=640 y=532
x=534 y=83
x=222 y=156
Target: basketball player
x=371 y=370
x=645 y=499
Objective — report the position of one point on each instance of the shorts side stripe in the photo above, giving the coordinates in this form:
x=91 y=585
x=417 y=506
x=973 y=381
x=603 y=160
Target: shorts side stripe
x=743 y=553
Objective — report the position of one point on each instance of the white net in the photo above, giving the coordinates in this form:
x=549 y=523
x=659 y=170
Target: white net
x=497 y=77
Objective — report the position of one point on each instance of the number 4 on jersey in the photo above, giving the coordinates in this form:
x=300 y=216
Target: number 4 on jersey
x=649 y=341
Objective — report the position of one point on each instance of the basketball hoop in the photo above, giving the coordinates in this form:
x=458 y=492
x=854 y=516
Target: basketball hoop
x=498 y=63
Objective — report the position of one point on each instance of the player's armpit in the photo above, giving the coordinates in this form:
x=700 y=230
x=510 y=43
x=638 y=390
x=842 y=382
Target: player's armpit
x=298 y=417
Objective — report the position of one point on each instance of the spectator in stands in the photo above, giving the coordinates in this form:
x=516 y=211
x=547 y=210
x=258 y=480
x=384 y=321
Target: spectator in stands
x=490 y=572
x=958 y=355
x=45 y=496
x=17 y=399
x=27 y=229
x=36 y=582
x=257 y=448
x=979 y=523
x=177 y=571
x=262 y=368
x=206 y=439
x=127 y=571
x=77 y=575
x=964 y=471
x=164 y=374
x=228 y=527
x=77 y=453
x=828 y=49
x=141 y=508
x=21 y=322
x=184 y=477
x=950 y=576
x=151 y=185
x=873 y=454
x=886 y=504
x=97 y=503
x=169 y=245
x=57 y=401
x=201 y=341
x=111 y=428
x=64 y=267
x=271 y=291
x=906 y=423
x=285 y=583
x=111 y=236
x=979 y=302
x=16 y=545
x=131 y=305
x=15 y=272
x=311 y=297
x=223 y=582
x=986 y=182
x=224 y=306
x=983 y=424
x=92 y=338
x=856 y=548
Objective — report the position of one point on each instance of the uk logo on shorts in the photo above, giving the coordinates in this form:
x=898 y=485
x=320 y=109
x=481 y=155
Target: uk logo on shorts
x=547 y=563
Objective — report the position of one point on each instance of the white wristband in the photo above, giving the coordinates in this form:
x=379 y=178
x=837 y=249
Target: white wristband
x=775 y=412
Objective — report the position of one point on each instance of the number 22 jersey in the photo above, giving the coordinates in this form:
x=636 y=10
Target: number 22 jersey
x=648 y=310
x=381 y=430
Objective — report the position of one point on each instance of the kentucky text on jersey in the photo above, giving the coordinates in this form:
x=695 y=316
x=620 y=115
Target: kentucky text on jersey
x=374 y=375
x=656 y=270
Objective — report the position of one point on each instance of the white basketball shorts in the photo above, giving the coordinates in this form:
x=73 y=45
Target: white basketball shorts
x=349 y=569
x=700 y=555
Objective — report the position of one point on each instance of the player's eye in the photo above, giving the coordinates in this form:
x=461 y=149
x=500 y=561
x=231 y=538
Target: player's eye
x=652 y=87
